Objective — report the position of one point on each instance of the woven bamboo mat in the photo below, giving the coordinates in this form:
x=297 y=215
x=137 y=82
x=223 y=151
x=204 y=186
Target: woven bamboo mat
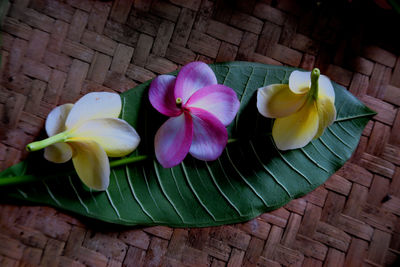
x=55 y=51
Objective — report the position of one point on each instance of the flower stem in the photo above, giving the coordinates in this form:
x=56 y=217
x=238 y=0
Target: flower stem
x=124 y=161
x=34 y=146
x=232 y=140
x=16 y=180
x=314 y=83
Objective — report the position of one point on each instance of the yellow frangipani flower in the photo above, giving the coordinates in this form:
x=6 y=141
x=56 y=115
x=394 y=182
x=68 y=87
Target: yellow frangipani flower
x=88 y=132
x=303 y=108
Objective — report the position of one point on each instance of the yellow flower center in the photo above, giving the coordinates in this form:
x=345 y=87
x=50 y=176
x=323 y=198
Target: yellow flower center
x=178 y=102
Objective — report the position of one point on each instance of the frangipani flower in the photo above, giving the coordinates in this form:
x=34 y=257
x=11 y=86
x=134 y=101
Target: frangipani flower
x=199 y=109
x=88 y=132
x=303 y=108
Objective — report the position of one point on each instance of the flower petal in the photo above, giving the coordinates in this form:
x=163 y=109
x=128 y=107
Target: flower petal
x=300 y=82
x=115 y=136
x=94 y=106
x=55 y=122
x=325 y=87
x=193 y=77
x=277 y=100
x=91 y=163
x=161 y=95
x=298 y=129
x=58 y=153
x=219 y=100
x=209 y=135
x=173 y=139
x=326 y=113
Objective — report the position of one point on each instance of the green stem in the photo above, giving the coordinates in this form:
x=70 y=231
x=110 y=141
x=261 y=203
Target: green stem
x=232 y=140
x=17 y=180
x=31 y=178
x=124 y=161
x=34 y=146
x=314 y=83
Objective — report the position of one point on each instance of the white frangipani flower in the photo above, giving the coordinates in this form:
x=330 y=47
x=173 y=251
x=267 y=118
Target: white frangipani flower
x=88 y=132
x=303 y=109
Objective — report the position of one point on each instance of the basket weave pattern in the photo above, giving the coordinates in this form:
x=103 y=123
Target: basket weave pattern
x=53 y=52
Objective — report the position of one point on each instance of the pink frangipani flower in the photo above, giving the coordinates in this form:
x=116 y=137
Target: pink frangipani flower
x=199 y=108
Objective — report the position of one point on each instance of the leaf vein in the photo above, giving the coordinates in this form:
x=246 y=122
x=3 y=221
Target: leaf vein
x=51 y=193
x=128 y=177
x=290 y=165
x=313 y=161
x=77 y=194
x=245 y=180
x=220 y=190
x=112 y=204
x=148 y=188
x=338 y=137
x=195 y=193
x=117 y=183
x=269 y=171
x=165 y=193
x=22 y=193
x=329 y=148
x=344 y=129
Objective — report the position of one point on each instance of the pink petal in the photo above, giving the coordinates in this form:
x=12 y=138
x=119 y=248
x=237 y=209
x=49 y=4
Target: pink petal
x=209 y=135
x=219 y=100
x=191 y=78
x=173 y=139
x=161 y=95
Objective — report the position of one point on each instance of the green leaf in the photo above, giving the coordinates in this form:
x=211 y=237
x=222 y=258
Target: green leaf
x=250 y=178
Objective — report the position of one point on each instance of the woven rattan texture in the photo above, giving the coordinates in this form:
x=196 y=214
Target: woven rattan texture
x=53 y=52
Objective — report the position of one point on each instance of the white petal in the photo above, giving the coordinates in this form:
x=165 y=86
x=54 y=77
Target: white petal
x=94 y=105
x=58 y=153
x=91 y=164
x=300 y=82
x=55 y=122
x=325 y=88
x=115 y=136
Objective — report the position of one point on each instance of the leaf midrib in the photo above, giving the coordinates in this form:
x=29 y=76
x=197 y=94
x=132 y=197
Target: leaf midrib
x=369 y=114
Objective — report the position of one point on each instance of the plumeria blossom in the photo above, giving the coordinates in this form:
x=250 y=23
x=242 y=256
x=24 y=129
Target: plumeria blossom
x=303 y=108
x=88 y=132
x=199 y=110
